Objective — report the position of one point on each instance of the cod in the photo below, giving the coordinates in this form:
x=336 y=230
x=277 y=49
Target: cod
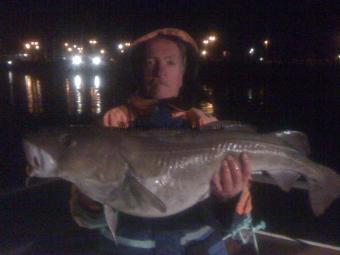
x=157 y=173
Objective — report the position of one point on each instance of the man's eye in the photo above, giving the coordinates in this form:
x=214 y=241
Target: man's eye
x=149 y=62
x=171 y=62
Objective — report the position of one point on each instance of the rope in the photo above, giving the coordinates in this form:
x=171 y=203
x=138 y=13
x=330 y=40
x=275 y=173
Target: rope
x=242 y=230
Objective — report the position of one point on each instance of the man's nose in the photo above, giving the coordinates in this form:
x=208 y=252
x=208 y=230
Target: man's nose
x=159 y=70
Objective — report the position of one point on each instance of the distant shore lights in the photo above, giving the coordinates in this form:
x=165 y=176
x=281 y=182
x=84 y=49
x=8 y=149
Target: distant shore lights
x=266 y=43
x=76 y=60
x=32 y=45
x=122 y=46
x=93 y=42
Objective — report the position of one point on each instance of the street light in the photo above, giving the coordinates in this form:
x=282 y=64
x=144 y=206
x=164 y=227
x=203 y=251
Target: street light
x=96 y=60
x=27 y=46
x=204 y=52
x=212 y=38
x=66 y=44
x=205 y=42
x=102 y=51
x=266 y=43
x=76 y=60
x=251 y=51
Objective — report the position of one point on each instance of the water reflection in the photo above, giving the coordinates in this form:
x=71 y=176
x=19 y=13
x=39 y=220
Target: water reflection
x=256 y=95
x=207 y=104
x=33 y=93
x=77 y=94
x=207 y=107
x=11 y=88
x=96 y=97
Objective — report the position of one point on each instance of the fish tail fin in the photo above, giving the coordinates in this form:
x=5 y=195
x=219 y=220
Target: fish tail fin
x=325 y=191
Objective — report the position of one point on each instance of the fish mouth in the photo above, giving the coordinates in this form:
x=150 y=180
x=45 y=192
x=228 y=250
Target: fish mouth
x=40 y=162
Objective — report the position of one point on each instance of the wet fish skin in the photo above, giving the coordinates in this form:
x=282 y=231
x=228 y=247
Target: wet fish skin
x=160 y=173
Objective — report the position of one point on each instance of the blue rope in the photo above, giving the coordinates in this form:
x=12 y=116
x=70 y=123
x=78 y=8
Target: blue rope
x=242 y=230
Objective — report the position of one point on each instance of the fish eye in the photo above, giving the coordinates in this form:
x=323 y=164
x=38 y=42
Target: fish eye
x=67 y=140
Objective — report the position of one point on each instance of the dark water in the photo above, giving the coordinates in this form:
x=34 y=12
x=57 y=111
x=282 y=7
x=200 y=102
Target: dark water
x=299 y=97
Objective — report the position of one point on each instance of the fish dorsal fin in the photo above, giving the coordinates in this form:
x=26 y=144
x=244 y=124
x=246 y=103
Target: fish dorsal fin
x=143 y=195
x=284 y=178
x=295 y=139
x=230 y=126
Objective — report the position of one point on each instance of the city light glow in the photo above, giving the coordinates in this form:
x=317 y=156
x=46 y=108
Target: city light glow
x=266 y=43
x=204 y=52
x=205 y=42
x=66 y=44
x=69 y=49
x=93 y=42
x=212 y=38
x=10 y=62
x=102 y=51
x=251 y=51
x=96 y=82
x=76 y=60
x=96 y=60
x=120 y=46
x=27 y=46
x=261 y=59
x=77 y=81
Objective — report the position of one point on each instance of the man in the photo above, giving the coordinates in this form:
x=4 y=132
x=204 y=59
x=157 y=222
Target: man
x=163 y=60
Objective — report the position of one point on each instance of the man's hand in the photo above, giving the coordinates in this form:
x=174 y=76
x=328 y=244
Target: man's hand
x=232 y=177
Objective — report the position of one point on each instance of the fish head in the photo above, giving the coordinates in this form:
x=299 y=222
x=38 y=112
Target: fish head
x=86 y=156
x=43 y=150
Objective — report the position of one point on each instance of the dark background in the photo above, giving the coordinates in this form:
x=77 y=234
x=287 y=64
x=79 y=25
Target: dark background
x=287 y=94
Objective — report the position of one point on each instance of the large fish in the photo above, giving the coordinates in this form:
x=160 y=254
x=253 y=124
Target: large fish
x=160 y=173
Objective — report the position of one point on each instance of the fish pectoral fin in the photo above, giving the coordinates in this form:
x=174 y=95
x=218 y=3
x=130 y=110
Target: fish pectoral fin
x=284 y=178
x=111 y=217
x=143 y=195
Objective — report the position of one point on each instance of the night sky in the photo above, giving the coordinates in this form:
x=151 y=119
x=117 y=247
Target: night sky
x=305 y=28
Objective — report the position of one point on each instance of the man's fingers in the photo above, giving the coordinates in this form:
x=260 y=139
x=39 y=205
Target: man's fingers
x=226 y=179
x=235 y=172
x=217 y=185
x=246 y=167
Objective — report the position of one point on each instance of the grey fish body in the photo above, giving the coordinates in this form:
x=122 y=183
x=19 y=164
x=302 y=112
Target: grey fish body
x=161 y=173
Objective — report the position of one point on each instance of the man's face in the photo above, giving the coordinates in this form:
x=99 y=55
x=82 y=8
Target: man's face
x=163 y=69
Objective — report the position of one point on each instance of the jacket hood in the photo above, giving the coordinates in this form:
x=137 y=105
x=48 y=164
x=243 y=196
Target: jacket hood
x=180 y=34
